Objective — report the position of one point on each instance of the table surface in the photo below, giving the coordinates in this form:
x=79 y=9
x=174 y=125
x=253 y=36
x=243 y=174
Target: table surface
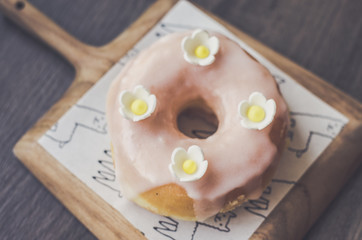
x=322 y=36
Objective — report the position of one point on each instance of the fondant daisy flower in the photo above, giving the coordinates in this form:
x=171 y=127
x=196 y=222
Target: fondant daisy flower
x=138 y=104
x=188 y=166
x=200 y=48
x=257 y=112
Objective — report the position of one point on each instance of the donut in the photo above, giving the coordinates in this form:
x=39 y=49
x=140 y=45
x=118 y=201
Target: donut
x=162 y=169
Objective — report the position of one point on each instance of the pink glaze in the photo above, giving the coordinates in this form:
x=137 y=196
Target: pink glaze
x=238 y=157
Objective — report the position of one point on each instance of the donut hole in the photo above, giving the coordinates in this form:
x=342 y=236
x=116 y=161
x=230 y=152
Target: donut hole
x=197 y=120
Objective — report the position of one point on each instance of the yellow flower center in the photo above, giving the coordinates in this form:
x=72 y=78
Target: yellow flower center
x=255 y=113
x=189 y=166
x=202 y=51
x=139 y=107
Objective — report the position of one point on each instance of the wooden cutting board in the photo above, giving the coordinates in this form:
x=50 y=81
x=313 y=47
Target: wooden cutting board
x=311 y=194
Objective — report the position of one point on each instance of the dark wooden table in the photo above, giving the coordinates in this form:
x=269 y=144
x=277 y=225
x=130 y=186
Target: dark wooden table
x=323 y=36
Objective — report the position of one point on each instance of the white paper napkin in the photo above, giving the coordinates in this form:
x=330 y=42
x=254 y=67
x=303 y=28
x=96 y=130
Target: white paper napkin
x=80 y=142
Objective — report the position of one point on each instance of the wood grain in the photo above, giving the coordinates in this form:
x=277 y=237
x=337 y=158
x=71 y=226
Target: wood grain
x=99 y=217
x=38 y=220
x=320 y=184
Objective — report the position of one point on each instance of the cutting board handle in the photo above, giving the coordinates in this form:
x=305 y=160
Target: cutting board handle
x=80 y=55
x=90 y=62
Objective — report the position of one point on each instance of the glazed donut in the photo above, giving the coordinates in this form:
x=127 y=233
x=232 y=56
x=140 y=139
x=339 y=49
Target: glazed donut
x=169 y=173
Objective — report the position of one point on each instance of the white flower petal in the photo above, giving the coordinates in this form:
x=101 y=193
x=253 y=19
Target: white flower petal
x=126 y=99
x=243 y=108
x=195 y=153
x=152 y=101
x=188 y=45
x=171 y=168
x=271 y=106
x=199 y=38
x=186 y=178
x=270 y=110
x=123 y=111
x=178 y=172
x=151 y=105
x=262 y=125
x=137 y=118
x=200 y=34
x=202 y=168
x=213 y=45
x=206 y=61
x=246 y=123
x=256 y=98
x=179 y=156
x=191 y=59
x=141 y=92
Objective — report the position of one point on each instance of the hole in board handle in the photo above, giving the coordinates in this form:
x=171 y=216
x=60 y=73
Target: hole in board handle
x=19 y=5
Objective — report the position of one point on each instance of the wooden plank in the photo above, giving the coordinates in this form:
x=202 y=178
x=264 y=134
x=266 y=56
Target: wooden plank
x=106 y=223
x=98 y=216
